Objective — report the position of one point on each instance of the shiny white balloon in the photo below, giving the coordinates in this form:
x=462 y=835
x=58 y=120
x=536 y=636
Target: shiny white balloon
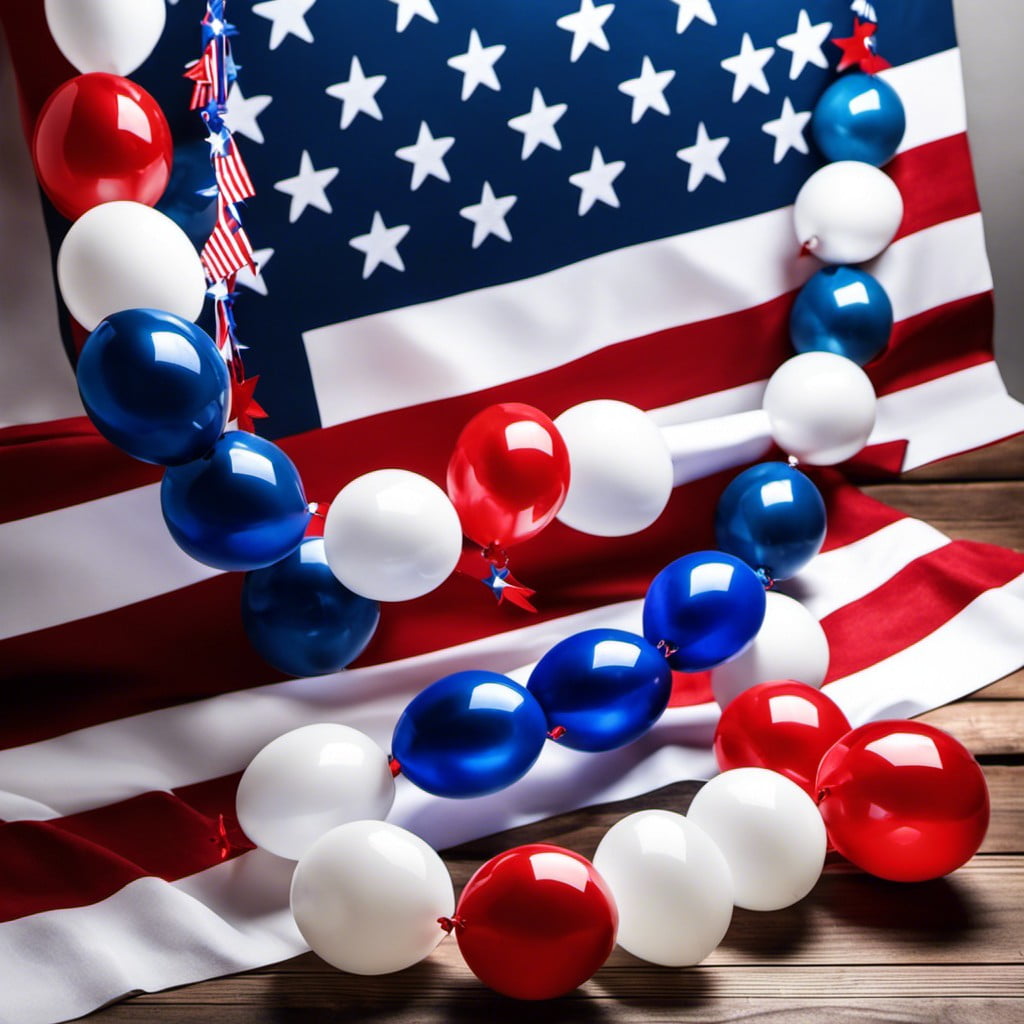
x=115 y=36
x=621 y=468
x=125 y=255
x=367 y=896
x=306 y=782
x=769 y=832
x=847 y=212
x=821 y=408
x=789 y=645
x=392 y=535
x=671 y=885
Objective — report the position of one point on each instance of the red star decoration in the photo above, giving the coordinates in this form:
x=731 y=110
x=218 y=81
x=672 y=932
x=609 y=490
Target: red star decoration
x=857 y=52
x=245 y=408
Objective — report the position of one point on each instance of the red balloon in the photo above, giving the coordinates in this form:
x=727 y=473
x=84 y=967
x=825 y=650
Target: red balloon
x=785 y=727
x=903 y=800
x=536 y=922
x=508 y=475
x=98 y=138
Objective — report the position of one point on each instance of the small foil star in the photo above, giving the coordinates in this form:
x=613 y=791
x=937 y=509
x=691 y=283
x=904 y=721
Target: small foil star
x=244 y=407
x=505 y=586
x=859 y=49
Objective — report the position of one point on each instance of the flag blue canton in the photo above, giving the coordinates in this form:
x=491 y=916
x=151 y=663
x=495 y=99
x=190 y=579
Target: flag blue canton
x=408 y=150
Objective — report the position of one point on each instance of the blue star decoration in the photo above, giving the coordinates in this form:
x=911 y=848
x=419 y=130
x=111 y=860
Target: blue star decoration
x=505 y=586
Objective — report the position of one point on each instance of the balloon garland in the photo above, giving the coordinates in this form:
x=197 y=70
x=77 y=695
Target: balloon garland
x=901 y=800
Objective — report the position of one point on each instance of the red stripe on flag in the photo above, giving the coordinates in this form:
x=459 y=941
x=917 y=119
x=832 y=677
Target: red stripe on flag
x=914 y=603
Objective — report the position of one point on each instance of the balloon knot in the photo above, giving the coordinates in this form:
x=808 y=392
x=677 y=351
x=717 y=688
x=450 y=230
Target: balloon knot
x=395 y=765
x=222 y=838
x=822 y=794
x=557 y=733
x=496 y=555
x=450 y=924
x=808 y=247
x=666 y=648
x=792 y=461
x=766 y=578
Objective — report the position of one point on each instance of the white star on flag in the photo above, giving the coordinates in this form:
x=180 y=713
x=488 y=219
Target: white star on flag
x=748 y=67
x=595 y=183
x=477 y=65
x=358 y=94
x=488 y=216
x=426 y=156
x=805 y=44
x=587 y=27
x=243 y=111
x=288 y=17
x=788 y=130
x=704 y=158
x=538 y=125
x=648 y=91
x=409 y=9
x=307 y=187
x=690 y=9
x=247 y=279
x=380 y=245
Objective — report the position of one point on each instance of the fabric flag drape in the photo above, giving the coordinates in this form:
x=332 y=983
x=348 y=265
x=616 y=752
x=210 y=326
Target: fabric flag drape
x=486 y=204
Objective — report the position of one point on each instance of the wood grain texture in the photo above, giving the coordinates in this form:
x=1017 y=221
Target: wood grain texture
x=856 y=951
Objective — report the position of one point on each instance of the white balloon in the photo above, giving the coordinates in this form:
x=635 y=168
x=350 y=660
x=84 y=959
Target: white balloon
x=821 y=407
x=106 y=35
x=367 y=896
x=621 y=468
x=125 y=255
x=306 y=782
x=789 y=645
x=769 y=832
x=671 y=884
x=847 y=212
x=392 y=535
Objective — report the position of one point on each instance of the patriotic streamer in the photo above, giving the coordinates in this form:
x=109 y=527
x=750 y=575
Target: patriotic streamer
x=228 y=248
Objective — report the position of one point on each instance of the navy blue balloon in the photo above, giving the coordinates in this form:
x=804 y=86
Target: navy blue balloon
x=842 y=310
x=154 y=385
x=773 y=518
x=859 y=117
x=704 y=608
x=190 y=199
x=239 y=507
x=605 y=687
x=301 y=618
x=469 y=734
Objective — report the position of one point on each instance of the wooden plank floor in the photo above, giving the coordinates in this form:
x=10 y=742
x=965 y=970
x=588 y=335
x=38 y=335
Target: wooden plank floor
x=856 y=949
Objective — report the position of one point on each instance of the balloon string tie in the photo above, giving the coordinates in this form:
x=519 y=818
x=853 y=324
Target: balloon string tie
x=766 y=578
x=450 y=924
x=395 y=765
x=666 y=648
x=557 y=733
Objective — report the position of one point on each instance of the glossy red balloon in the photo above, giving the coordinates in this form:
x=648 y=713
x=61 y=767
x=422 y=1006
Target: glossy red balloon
x=903 y=800
x=99 y=138
x=536 y=922
x=785 y=727
x=508 y=475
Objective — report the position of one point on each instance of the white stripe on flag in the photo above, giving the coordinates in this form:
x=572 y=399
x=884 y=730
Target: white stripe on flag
x=933 y=97
x=205 y=739
x=956 y=413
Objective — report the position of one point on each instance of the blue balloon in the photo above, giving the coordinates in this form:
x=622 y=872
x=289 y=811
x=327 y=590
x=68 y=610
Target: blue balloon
x=859 y=117
x=190 y=199
x=301 y=618
x=704 y=608
x=469 y=734
x=154 y=385
x=773 y=518
x=239 y=507
x=605 y=687
x=842 y=310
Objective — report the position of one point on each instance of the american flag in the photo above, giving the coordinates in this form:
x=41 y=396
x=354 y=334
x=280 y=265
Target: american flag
x=460 y=203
